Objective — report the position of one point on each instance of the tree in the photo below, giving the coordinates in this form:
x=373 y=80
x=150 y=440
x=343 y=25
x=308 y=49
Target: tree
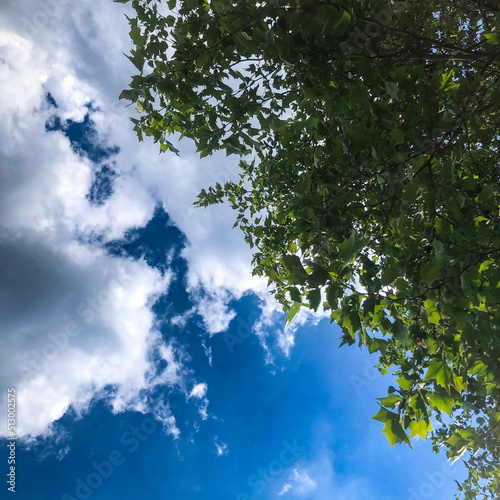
x=370 y=186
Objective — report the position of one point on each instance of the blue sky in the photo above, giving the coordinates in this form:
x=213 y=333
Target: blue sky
x=147 y=361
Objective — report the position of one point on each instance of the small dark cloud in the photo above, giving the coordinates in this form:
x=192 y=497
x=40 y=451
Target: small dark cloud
x=50 y=100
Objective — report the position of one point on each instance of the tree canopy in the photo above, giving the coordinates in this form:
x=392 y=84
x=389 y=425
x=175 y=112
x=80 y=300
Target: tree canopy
x=368 y=132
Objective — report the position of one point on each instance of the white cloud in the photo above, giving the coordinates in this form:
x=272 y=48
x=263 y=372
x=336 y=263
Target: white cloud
x=317 y=478
x=62 y=452
x=304 y=484
x=214 y=310
x=270 y=327
x=72 y=327
x=198 y=391
x=221 y=447
x=163 y=413
x=286 y=487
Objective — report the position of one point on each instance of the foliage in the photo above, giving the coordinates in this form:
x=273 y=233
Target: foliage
x=371 y=186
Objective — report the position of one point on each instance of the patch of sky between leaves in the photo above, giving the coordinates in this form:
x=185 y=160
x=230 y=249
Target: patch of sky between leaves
x=86 y=142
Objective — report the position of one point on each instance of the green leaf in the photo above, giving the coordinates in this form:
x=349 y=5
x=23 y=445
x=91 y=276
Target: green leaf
x=439 y=371
x=369 y=304
x=332 y=295
x=355 y=322
x=433 y=315
x=395 y=433
x=442 y=402
x=391 y=401
x=400 y=330
x=493 y=37
x=494 y=419
x=420 y=428
x=389 y=274
x=384 y=415
x=478 y=368
x=295 y=294
x=294 y=267
x=447 y=81
x=351 y=246
x=404 y=383
x=431 y=271
x=314 y=297
x=392 y=88
x=292 y=312
x=398 y=136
